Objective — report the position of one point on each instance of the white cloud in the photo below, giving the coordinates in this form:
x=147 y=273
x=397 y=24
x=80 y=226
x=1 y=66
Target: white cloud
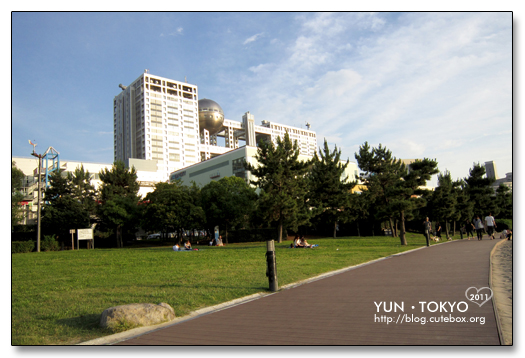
x=252 y=38
x=423 y=84
x=177 y=32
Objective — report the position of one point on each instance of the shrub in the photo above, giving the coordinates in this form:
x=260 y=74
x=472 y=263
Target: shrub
x=22 y=246
x=503 y=224
x=49 y=243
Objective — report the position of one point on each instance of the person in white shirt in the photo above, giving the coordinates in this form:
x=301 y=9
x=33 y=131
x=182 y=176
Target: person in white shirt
x=491 y=224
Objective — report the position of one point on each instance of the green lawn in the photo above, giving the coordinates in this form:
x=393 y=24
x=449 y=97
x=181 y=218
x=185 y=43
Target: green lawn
x=57 y=297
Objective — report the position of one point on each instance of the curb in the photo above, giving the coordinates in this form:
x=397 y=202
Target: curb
x=135 y=332
x=494 y=302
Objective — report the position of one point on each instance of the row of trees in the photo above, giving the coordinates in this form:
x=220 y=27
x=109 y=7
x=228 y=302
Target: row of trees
x=292 y=195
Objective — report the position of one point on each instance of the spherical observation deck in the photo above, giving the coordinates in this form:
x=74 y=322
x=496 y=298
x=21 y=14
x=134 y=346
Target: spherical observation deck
x=211 y=116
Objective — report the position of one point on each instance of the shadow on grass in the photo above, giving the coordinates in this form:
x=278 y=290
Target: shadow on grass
x=183 y=285
x=90 y=322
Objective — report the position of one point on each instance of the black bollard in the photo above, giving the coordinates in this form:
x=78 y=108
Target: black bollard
x=271 y=270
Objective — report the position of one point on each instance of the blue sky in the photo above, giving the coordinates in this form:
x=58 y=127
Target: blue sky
x=436 y=85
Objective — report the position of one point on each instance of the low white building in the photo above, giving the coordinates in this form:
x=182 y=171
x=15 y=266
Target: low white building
x=231 y=164
x=147 y=175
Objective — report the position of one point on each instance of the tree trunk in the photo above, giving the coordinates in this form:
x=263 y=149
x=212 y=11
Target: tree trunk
x=402 y=233
x=391 y=227
x=280 y=229
x=119 y=236
x=396 y=232
x=447 y=229
x=226 y=234
x=358 y=233
x=335 y=229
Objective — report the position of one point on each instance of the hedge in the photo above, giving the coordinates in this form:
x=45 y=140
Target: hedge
x=22 y=246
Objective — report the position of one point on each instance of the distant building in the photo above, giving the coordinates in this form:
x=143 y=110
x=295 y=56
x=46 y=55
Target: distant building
x=507 y=181
x=490 y=170
x=492 y=173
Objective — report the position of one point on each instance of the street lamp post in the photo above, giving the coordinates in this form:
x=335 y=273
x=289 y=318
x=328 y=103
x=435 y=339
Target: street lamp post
x=39 y=156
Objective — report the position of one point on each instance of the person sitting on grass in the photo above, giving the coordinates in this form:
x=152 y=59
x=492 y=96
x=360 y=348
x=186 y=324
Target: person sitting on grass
x=304 y=243
x=187 y=245
x=297 y=242
x=506 y=234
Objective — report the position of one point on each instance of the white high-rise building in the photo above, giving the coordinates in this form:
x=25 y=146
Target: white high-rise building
x=160 y=128
x=157 y=118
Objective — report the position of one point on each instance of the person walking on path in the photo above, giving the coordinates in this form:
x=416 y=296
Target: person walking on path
x=468 y=229
x=491 y=224
x=478 y=224
x=427 y=227
x=438 y=230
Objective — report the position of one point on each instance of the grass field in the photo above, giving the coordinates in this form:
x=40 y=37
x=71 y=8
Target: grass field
x=57 y=297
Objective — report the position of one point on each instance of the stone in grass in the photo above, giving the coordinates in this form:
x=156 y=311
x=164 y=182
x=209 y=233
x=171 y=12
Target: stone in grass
x=120 y=318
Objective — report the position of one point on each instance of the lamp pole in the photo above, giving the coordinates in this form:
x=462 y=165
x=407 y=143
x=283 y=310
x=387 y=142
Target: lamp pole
x=39 y=156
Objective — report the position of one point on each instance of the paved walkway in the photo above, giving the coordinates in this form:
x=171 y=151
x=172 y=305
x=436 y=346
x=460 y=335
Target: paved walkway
x=342 y=309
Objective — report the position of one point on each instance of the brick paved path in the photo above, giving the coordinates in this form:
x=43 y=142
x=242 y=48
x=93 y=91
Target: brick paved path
x=340 y=310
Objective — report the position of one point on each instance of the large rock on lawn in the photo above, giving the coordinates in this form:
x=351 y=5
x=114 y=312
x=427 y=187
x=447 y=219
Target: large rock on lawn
x=136 y=315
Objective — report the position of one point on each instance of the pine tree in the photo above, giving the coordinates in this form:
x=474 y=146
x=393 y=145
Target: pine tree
x=329 y=190
x=62 y=210
x=445 y=201
x=82 y=189
x=282 y=178
x=407 y=192
x=381 y=173
x=464 y=207
x=504 y=202
x=393 y=188
x=118 y=197
x=480 y=192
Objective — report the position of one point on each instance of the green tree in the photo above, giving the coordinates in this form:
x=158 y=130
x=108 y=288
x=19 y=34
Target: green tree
x=118 y=199
x=328 y=186
x=227 y=203
x=478 y=188
x=464 y=207
x=381 y=173
x=407 y=192
x=445 y=201
x=358 y=209
x=172 y=208
x=62 y=211
x=16 y=194
x=282 y=177
x=504 y=202
x=82 y=189
x=196 y=218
